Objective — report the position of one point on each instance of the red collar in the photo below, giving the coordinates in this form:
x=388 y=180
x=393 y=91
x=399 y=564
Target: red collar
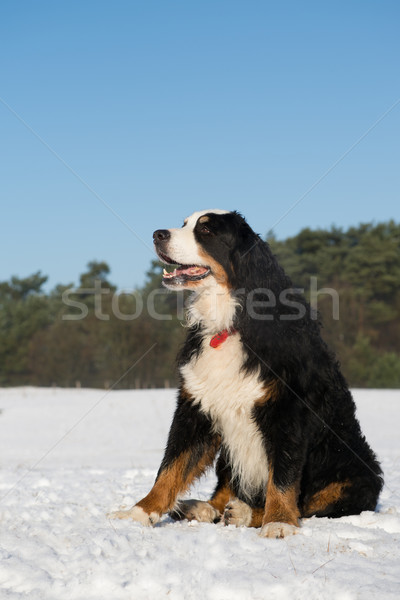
x=220 y=337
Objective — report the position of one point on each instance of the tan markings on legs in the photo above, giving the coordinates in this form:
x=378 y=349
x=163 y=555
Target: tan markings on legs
x=281 y=516
x=281 y=505
x=167 y=486
x=220 y=498
x=173 y=481
x=257 y=517
x=320 y=501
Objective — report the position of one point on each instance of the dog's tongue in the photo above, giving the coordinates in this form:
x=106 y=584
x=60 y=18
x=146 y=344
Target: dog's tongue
x=188 y=271
x=191 y=271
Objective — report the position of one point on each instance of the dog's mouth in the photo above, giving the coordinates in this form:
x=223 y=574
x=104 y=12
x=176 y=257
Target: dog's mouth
x=182 y=273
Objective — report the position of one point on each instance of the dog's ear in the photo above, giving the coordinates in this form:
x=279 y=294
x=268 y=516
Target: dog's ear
x=251 y=259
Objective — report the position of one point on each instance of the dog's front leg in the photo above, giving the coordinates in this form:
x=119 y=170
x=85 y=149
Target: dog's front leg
x=281 y=513
x=191 y=448
x=284 y=426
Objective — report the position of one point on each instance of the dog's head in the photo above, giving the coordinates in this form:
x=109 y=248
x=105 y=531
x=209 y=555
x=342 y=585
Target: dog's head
x=217 y=255
x=202 y=249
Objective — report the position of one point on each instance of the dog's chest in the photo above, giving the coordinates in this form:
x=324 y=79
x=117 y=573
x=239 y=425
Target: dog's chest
x=215 y=381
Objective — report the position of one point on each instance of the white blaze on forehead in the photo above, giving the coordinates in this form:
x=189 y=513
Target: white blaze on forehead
x=182 y=247
x=192 y=220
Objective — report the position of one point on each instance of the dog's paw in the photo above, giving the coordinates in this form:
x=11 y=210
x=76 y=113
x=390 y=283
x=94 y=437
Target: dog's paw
x=136 y=513
x=237 y=513
x=278 y=530
x=195 y=510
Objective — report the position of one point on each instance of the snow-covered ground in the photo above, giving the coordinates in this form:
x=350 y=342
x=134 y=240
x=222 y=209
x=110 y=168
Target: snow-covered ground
x=67 y=457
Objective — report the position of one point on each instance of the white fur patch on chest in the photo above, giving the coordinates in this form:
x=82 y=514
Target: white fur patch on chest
x=215 y=381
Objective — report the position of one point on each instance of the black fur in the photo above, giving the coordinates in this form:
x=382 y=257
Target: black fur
x=310 y=430
x=316 y=458
x=191 y=432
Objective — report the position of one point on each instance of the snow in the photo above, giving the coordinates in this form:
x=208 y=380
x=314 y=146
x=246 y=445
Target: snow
x=68 y=457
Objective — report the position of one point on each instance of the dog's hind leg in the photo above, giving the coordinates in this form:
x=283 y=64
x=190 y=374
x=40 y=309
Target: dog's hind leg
x=339 y=499
x=211 y=511
x=324 y=502
x=198 y=510
x=240 y=514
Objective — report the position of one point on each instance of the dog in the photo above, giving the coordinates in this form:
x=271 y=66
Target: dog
x=261 y=396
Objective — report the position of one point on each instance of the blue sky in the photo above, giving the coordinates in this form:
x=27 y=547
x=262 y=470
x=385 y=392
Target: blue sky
x=118 y=118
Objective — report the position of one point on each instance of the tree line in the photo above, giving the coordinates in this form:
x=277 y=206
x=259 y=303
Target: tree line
x=92 y=335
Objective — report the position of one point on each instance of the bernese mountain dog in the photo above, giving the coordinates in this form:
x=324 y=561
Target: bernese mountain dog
x=261 y=396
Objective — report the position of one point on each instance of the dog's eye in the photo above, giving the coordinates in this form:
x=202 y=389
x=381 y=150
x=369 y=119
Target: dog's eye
x=204 y=229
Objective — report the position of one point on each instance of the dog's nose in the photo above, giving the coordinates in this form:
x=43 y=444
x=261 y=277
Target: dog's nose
x=161 y=235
